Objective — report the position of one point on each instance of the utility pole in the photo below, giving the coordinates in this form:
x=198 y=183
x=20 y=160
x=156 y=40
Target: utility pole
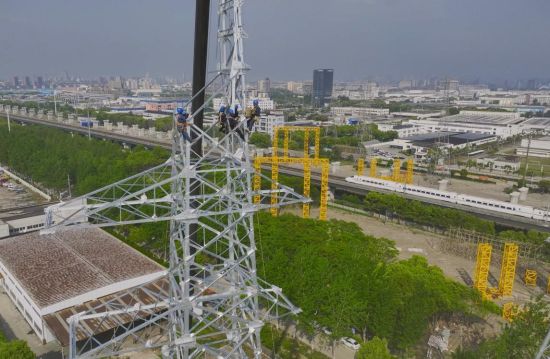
x=9 y=125
x=69 y=183
x=527 y=158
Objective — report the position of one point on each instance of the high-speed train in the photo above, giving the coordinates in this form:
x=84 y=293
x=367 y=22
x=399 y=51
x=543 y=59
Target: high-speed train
x=453 y=197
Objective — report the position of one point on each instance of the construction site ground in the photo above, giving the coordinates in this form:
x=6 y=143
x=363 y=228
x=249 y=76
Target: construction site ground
x=12 y=199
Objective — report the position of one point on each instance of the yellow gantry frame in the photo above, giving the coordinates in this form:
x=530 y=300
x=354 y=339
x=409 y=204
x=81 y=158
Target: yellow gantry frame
x=530 y=277
x=509 y=311
x=396 y=173
x=483 y=263
x=373 y=167
x=508 y=269
x=286 y=139
x=360 y=167
x=307 y=163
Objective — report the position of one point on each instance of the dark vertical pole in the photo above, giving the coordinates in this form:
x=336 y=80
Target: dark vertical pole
x=202 y=21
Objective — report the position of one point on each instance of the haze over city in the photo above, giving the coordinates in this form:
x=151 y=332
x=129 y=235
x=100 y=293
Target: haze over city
x=493 y=40
x=234 y=179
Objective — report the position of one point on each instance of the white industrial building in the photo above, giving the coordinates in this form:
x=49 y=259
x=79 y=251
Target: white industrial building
x=500 y=124
x=539 y=147
x=403 y=130
x=51 y=277
x=267 y=123
x=358 y=111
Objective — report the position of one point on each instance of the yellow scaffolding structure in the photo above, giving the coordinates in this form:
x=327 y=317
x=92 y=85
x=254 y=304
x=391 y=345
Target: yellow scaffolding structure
x=531 y=278
x=509 y=311
x=410 y=172
x=373 y=167
x=483 y=263
x=508 y=269
x=396 y=177
x=287 y=130
x=360 y=167
x=307 y=163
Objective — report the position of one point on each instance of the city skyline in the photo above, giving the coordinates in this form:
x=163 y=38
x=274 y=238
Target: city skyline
x=360 y=39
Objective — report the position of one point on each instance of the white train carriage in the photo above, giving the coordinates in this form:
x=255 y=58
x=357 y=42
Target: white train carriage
x=453 y=197
x=495 y=205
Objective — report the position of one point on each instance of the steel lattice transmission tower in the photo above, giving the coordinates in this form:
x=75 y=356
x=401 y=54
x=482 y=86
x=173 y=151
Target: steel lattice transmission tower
x=230 y=45
x=216 y=304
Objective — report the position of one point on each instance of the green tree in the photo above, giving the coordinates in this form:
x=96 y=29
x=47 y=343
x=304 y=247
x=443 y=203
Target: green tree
x=16 y=349
x=464 y=173
x=262 y=140
x=519 y=339
x=375 y=348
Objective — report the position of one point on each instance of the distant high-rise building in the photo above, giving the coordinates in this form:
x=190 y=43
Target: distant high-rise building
x=264 y=87
x=16 y=82
x=323 y=80
x=28 y=82
x=39 y=82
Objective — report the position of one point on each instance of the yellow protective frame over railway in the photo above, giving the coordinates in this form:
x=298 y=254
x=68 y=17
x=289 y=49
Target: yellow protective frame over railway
x=360 y=167
x=530 y=278
x=286 y=139
x=483 y=263
x=307 y=163
x=508 y=269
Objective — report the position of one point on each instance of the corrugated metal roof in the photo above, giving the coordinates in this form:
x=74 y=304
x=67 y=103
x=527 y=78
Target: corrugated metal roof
x=57 y=267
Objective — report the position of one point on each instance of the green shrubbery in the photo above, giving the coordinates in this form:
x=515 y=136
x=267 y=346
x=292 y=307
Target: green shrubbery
x=342 y=278
x=48 y=155
x=16 y=349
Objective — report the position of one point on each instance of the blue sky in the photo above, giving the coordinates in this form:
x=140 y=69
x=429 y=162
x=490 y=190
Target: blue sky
x=468 y=39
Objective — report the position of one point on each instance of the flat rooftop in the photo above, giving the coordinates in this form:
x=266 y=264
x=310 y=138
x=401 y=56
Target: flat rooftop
x=491 y=118
x=56 y=267
x=453 y=138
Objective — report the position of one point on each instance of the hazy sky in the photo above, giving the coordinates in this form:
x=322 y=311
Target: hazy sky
x=469 y=39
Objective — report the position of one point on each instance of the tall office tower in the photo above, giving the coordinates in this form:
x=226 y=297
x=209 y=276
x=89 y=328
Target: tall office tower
x=28 y=82
x=264 y=87
x=39 y=82
x=322 y=87
x=16 y=82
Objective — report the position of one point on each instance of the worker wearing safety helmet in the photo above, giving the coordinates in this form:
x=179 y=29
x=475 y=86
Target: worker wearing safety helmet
x=182 y=123
x=234 y=121
x=253 y=114
x=223 y=121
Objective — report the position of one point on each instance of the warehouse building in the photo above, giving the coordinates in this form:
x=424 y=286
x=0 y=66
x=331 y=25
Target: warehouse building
x=49 y=278
x=420 y=144
x=500 y=124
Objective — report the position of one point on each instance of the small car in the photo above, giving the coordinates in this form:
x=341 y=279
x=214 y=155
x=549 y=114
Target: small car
x=350 y=343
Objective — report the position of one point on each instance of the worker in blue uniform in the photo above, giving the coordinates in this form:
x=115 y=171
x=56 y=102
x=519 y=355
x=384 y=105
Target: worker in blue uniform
x=182 y=120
